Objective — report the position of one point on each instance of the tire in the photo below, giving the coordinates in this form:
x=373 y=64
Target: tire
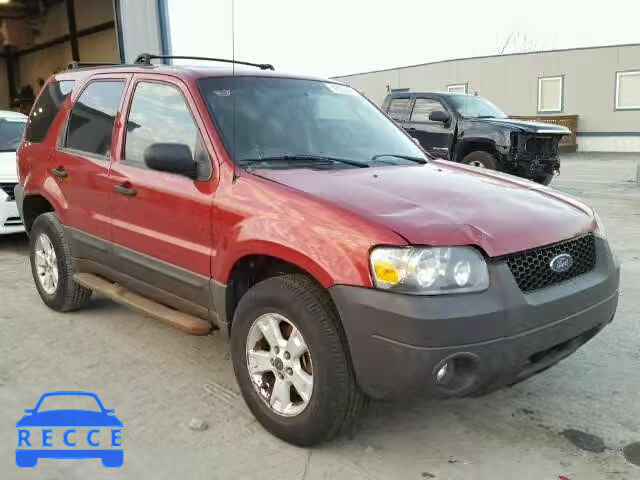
x=544 y=179
x=67 y=294
x=335 y=402
x=481 y=159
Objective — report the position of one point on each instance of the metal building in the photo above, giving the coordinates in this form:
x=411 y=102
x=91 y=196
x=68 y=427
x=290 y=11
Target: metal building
x=599 y=85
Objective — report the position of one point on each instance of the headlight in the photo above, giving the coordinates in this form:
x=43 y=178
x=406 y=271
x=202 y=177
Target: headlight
x=600 y=230
x=429 y=270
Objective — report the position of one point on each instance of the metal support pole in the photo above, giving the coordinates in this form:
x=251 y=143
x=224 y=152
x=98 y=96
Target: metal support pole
x=73 y=32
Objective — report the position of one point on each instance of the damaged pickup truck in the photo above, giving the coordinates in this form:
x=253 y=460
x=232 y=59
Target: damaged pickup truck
x=471 y=130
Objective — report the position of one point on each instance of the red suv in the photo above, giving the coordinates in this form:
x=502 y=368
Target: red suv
x=293 y=215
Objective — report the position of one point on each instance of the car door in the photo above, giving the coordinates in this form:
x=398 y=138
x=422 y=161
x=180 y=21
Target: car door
x=162 y=221
x=435 y=137
x=80 y=165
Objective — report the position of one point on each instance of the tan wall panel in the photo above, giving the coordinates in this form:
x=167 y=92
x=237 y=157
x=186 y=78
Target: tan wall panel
x=99 y=47
x=511 y=82
x=4 y=86
x=42 y=64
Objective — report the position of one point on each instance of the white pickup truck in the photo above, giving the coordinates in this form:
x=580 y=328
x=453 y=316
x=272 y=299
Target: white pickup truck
x=12 y=126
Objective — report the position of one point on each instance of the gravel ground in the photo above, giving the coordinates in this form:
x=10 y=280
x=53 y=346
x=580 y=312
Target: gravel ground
x=183 y=416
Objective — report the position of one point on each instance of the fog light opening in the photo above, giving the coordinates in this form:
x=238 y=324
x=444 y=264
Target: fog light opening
x=444 y=373
x=457 y=373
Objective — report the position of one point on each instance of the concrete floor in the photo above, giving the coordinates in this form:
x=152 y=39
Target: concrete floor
x=158 y=379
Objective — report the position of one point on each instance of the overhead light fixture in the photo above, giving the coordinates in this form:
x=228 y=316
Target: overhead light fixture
x=4 y=2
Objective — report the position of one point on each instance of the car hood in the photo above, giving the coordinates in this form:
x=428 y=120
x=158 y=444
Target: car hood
x=69 y=418
x=442 y=203
x=8 y=169
x=524 y=126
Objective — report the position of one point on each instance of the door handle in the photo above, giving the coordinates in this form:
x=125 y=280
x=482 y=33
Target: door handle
x=125 y=189
x=60 y=172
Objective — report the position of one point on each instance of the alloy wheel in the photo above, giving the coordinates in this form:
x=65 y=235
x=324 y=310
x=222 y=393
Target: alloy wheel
x=279 y=364
x=46 y=263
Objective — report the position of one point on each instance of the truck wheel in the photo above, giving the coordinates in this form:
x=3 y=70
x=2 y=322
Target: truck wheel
x=52 y=266
x=291 y=362
x=481 y=160
x=544 y=179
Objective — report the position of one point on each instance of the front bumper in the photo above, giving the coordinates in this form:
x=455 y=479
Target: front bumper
x=494 y=338
x=10 y=219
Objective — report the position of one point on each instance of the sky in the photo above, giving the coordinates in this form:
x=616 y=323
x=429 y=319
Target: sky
x=336 y=37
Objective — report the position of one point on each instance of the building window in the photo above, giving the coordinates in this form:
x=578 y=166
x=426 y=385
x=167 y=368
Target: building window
x=457 y=88
x=550 y=94
x=628 y=90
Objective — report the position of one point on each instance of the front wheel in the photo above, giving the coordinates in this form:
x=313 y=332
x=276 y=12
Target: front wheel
x=291 y=362
x=481 y=160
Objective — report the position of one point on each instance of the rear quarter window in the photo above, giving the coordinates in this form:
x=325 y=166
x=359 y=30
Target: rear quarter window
x=46 y=108
x=398 y=108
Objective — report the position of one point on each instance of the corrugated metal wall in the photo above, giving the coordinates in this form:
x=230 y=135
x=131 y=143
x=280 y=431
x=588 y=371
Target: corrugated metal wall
x=511 y=82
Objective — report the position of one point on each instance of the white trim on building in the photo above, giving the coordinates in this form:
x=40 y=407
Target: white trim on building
x=628 y=83
x=551 y=94
x=458 y=88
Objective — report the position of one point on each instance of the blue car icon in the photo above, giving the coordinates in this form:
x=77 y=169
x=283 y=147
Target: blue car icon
x=38 y=424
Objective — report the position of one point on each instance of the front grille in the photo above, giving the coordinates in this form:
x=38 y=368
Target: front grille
x=13 y=222
x=8 y=189
x=545 y=146
x=532 y=270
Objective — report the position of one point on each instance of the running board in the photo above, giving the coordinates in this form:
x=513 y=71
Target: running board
x=183 y=321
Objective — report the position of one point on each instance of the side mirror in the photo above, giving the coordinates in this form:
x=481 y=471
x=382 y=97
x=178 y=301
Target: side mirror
x=171 y=158
x=439 y=116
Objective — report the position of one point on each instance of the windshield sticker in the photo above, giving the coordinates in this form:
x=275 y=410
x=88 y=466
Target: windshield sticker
x=341 y=89
x=223 y=93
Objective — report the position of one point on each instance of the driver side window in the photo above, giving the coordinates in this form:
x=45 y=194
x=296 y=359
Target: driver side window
x=159 y=114
x=423 y=108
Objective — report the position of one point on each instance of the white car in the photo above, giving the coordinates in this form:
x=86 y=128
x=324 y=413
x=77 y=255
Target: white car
x=12 y=126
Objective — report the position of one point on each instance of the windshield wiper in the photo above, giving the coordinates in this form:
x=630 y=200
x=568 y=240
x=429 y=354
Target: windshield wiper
x=304 y=157
x=484 y=116
x=404 y=157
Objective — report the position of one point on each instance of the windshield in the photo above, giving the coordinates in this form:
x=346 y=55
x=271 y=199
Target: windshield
x=303 y=120
x=469 y=106
x=10 y=135
x=69 y=402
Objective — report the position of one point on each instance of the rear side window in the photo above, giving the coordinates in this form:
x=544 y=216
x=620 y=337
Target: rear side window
x=91 y=120
x=423 y=108
x=46 y=108
x=159 y=114
x=398 y=108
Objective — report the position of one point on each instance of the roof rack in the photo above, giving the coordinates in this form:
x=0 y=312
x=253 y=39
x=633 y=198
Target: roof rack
x=76 y=65
x=145 y=59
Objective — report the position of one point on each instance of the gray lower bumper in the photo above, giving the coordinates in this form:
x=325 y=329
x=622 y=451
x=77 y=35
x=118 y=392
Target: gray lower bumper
x=18 y=192
x=397 y=341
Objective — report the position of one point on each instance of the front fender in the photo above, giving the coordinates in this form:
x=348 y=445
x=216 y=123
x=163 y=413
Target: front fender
x=261 y=217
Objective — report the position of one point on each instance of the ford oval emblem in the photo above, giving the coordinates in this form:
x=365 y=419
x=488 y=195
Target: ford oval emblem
x=561 y=263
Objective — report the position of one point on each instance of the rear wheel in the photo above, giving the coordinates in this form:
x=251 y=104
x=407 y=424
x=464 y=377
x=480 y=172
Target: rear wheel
x=52 y=266
x=291 y=362
x=481 y=159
